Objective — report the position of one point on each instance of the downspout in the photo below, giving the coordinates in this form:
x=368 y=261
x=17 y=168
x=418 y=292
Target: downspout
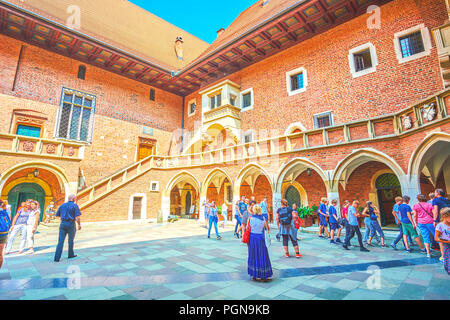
x=182 y=126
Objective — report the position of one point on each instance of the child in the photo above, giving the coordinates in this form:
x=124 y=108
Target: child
x=408 y=225
x=322 y=213
x=334 y=224
x=443 y=236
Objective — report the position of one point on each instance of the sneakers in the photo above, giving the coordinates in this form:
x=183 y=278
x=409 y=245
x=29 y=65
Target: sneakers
x=286 y=255
x=408 y=250
x=219 y=238
x=428 y=255
x=298 y=255
x=364 y=250
x=333 y=242
x=423 y=250
x=338 y=240
x=394 y=246
x=345 y=247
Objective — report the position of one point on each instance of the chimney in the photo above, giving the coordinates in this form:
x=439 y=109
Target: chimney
x=220 y=31
x=264 y=3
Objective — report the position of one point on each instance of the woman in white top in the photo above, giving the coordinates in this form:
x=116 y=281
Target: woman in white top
x=32 y=223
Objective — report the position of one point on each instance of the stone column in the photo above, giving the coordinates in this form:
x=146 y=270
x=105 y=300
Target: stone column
x=165 y=208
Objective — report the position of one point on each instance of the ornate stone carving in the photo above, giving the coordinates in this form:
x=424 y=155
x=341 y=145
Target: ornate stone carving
x=407 y=122
x=71 y=151
x=158 y=162
x=51 y=149
x=28 y=146
x=429 y=111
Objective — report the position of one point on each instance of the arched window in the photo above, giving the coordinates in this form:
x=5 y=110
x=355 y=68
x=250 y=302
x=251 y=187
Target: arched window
x=293 y=196
x=81 y=72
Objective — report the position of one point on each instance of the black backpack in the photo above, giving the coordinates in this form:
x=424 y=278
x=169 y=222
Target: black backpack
x=285 y=216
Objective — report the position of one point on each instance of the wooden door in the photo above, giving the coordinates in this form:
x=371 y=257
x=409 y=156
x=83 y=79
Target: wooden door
x=144 y=151
x=137 y=208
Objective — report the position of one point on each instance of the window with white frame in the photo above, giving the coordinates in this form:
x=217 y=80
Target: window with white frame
x=323 y=120
x=412 y=43
x=363 y=60
x=76 y=116
x=215 y=101
x=296 y=81
x=247 y=99
x=154 y=186
x=192 y=106
x=248 y=137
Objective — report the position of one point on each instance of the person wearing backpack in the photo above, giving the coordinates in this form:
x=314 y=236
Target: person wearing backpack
x=284 y=224
x=422 y=212
x=5 y=225
x=439 y=203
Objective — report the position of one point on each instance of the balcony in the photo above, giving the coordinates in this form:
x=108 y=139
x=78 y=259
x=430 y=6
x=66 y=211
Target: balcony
x=11 y=144
x=225 y=115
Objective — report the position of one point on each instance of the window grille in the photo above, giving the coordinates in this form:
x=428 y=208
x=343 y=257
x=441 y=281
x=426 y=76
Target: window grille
x=411 y=44
x=76 y=116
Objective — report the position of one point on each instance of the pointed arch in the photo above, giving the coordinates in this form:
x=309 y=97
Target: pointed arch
x=297 y=166
x=216 y=176
x=182 y=178
x=346 y=166
x=294 y=126
x=250 y=173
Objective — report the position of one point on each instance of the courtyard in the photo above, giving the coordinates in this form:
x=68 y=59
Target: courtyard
x=144 y=261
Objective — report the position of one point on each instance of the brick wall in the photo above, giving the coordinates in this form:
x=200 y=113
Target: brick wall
x=330 y=84
x=122 y=107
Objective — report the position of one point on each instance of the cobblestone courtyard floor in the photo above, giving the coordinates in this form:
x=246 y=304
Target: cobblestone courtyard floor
x=144 y=260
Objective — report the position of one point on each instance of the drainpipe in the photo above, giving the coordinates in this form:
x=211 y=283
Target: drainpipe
x=182 y=126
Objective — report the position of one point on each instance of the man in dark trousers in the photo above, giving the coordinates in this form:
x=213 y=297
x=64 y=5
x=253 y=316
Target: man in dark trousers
x=69 y=213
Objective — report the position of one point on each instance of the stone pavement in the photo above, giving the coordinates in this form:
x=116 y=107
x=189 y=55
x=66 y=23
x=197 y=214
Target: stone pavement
x=143 y=260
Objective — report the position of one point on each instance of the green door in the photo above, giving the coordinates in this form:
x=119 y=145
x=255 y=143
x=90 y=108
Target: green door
x=293 y=196
x=23 y=192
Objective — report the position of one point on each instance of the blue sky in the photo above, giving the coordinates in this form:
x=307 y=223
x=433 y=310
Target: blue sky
x=202 y=18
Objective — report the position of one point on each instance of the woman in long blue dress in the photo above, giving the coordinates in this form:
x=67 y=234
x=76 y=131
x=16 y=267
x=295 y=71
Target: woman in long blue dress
x=259 y=266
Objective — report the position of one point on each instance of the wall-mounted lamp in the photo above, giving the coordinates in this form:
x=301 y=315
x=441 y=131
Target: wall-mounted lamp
x=308 y=172
x=35 y=173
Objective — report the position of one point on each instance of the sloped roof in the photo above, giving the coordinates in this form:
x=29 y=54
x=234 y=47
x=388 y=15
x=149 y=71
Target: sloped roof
x=125 y=26
x=247 y=20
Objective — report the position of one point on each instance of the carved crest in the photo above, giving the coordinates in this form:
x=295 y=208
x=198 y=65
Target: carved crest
x=429 y=111
x=407 y=122
x=28 y=146
x=51 y=148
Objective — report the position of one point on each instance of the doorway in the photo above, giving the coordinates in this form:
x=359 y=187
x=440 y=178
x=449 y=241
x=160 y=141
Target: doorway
x=23 y=192
x=188 y=203
x=137 y=208
x=388 y=187
x=293 y=196
x=146 y=148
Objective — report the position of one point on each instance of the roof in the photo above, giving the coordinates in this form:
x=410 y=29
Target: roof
x=247 y=20
x=125 y=26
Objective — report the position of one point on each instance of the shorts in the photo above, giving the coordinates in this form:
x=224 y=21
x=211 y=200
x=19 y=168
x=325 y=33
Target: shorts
x=335 y=225
x=323 y=221
x=3 y=239
x=409 y=230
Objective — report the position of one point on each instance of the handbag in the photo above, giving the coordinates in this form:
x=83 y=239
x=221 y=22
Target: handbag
x=297 y=223
x=267 y=239
x=246 y=236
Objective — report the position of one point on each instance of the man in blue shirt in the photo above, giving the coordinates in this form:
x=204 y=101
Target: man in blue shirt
x=439 y=202
x=69 y=213
x=264 y=211
x=334 y=224
x=352 y=218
